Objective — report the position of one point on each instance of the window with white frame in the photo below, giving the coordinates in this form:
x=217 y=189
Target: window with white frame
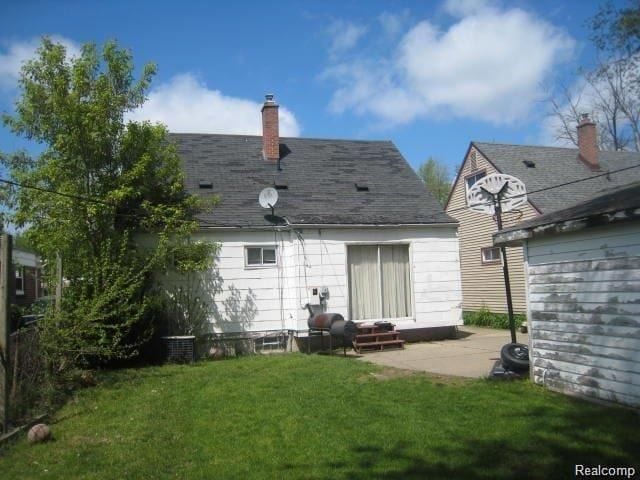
x=19 y=280
x=472 y=179
x=264 y=256
x=490 y=255
x=379 y=281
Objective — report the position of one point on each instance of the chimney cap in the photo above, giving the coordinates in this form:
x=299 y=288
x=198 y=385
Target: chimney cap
x=584 y=118
x=268 y=98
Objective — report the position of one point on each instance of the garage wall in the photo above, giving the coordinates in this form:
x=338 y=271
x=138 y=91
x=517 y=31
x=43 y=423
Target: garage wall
x=584 y=312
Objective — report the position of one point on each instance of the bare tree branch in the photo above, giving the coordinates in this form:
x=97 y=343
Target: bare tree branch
x=566 y=110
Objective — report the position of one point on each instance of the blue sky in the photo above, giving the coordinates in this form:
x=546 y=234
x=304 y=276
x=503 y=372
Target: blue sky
x=430 y=76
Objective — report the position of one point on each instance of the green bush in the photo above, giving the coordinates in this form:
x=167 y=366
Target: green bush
x=486 y=318
x=15 y=313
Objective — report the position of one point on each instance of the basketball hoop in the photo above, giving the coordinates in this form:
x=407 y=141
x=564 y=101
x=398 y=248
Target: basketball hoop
x=480 y=197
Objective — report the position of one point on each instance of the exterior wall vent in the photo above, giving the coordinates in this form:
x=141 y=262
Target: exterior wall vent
x=529 y=163
x=205 y=184
x=362 y=187
x=473 y=163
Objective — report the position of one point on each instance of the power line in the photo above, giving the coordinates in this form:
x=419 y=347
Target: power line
x=83 y=198
x=146 y=215
x=610 y=172
x=56 y=192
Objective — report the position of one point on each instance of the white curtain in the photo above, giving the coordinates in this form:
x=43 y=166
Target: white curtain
x=369 y=265
x=364 y=282
x=396 y=298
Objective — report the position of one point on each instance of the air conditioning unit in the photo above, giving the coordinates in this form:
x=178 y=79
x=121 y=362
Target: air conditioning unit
x=180 y=349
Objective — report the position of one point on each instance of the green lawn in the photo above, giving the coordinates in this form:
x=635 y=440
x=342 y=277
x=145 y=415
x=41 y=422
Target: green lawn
x=320 y=417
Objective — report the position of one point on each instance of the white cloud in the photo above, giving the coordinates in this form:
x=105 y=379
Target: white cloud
x=369 y=87
x=344 y=36
x=14 y=54
x=463 y=8
x=186 y=105
x=489 y=65
x=393 y=23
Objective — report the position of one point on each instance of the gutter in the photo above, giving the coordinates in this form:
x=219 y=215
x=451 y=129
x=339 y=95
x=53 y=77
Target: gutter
x=327 y=225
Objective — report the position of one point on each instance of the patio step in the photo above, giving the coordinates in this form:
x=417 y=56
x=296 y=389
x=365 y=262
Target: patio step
x=379 y=346
x=375 y=338
x=379 y=335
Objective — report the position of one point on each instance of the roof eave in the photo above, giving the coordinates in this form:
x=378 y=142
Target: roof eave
x=519 y=236
x=326 y=225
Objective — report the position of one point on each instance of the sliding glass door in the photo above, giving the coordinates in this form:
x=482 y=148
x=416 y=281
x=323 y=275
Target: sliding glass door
x=379 y=281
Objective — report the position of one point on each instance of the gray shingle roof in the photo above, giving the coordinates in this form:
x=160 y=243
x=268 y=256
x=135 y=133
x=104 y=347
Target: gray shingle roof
x=320 y=176
x=554 y=166
x=606 y=201
x=618 y=204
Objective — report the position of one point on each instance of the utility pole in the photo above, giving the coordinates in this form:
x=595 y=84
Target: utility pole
x=5 y=317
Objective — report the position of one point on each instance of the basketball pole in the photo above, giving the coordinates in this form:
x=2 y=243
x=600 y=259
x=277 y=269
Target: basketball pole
x=503 y=251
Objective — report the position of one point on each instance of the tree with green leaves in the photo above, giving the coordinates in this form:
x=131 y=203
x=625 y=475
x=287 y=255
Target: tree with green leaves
x=617 y=29
x=435 y=176
x=100 y=185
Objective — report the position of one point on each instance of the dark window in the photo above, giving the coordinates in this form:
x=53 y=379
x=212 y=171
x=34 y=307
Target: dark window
x=269 y=256
x=472 y=179
x=490 y=255
x=260 y=256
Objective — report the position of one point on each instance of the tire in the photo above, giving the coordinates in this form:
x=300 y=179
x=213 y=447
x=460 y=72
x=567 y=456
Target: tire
x=515 y=356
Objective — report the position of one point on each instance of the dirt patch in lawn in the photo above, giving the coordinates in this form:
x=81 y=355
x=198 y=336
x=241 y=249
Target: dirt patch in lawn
x=390 y=373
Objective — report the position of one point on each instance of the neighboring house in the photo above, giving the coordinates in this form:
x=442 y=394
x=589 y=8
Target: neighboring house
x=353 y=225
x=27 y=285
x=541 y=169
x=583 y=294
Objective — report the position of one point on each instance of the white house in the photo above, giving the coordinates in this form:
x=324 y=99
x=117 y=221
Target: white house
x=353 y=224
x=582 y=268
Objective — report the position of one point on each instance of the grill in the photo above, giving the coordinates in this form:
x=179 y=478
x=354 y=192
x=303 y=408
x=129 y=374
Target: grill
x=335 y=325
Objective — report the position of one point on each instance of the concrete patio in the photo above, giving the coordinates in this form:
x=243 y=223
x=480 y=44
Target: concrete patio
x=472 y=354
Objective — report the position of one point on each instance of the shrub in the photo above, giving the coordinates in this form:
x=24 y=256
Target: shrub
x=486 y=318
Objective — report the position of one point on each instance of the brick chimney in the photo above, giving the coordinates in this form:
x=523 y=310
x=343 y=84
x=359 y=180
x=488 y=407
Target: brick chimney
x=270 y=129
x=588 y=142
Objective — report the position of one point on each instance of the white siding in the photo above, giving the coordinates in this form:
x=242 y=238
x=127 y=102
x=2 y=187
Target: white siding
x=584 y=299
x=254 y=299
x=26 y=259
x=273 y=298
x=435 y=271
